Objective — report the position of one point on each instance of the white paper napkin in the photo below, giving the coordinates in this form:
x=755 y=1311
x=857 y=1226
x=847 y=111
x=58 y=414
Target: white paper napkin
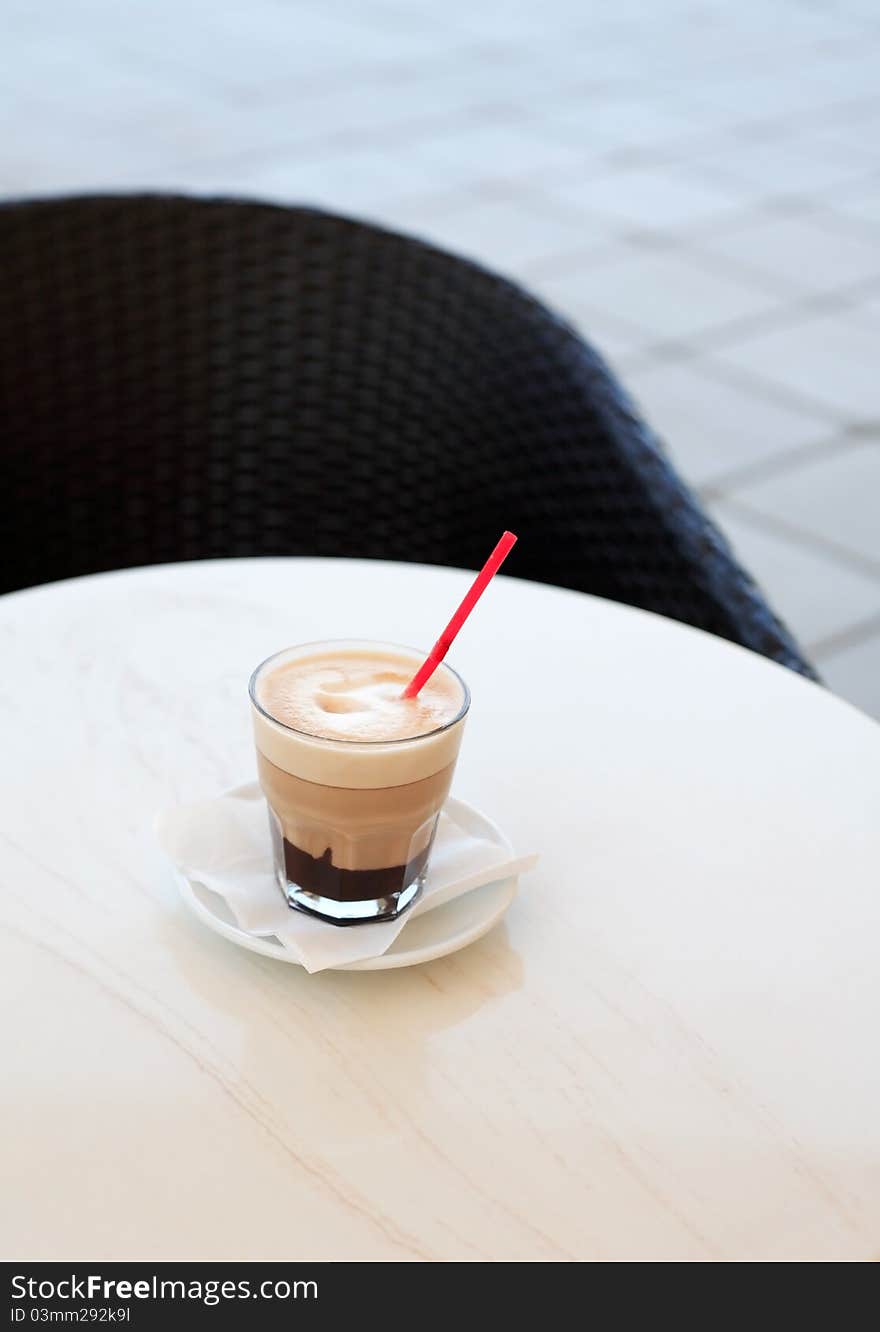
x=224 y=844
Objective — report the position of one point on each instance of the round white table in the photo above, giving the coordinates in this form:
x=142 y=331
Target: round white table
x=666 y=1051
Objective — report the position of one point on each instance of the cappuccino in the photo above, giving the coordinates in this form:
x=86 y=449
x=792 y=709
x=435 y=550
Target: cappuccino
x=354 y=774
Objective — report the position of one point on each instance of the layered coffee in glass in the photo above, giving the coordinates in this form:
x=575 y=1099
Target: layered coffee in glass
x=354 y=774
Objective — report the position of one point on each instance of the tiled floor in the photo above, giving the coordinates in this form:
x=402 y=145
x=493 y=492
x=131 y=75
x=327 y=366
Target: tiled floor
x=696 y=183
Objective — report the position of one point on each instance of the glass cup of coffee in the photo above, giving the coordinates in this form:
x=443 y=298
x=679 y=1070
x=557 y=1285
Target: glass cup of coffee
x=354 y=775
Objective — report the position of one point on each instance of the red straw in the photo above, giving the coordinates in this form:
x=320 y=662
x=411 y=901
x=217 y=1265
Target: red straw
x=471 y=597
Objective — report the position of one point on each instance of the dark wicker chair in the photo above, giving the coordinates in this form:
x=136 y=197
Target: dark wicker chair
x=185 y=378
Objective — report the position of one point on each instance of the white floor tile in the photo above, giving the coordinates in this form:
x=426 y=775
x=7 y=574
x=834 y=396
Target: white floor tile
x=713 y=427
x=387 y=173
x=779 y=167
x=365 y=179
x=247 y=49
x=815 y=595
x=854 y=674
x=615 y=123
x=47 y=166
x=406 y=95
x=471 y=154
x=520 y=23
x=509 y=234
x=861 y=204
x=847 y=141
x=866 y=311
x=775 y=94
x=807 y=254
x=836 y=498
x=649 y=198
x=672 y=297
x=829 y=359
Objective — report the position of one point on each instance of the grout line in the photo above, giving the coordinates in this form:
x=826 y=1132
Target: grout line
x=797 y=304
x=340 y=142
x=843 y=222
x=848 y=292
x=396 y=17
x=747 y=474
x=688 y=151
x=860 y=632
x=341 y=77
x=719 y=177
x=758 y=209
x=573 y=263
x=773 y=392
x=808 y=540
x=841 y=301
x=735 y=269
x=412 y=134
x=379 y=136
x=718 y=339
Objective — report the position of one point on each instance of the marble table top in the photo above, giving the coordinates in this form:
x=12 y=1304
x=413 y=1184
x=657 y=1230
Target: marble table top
x=667 y=1050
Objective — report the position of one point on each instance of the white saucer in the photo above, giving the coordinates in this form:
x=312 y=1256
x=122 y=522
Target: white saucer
x=431 y=934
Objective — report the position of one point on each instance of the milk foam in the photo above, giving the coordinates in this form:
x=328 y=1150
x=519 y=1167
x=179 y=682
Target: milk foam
x=355 y=695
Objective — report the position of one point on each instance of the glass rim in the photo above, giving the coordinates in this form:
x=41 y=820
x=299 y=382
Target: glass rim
x=358 y=744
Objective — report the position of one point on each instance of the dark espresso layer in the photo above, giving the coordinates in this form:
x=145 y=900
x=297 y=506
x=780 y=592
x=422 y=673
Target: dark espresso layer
x=321 y=876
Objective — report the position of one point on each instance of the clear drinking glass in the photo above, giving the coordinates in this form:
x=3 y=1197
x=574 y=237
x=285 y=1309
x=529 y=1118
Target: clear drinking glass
x=353 y=821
